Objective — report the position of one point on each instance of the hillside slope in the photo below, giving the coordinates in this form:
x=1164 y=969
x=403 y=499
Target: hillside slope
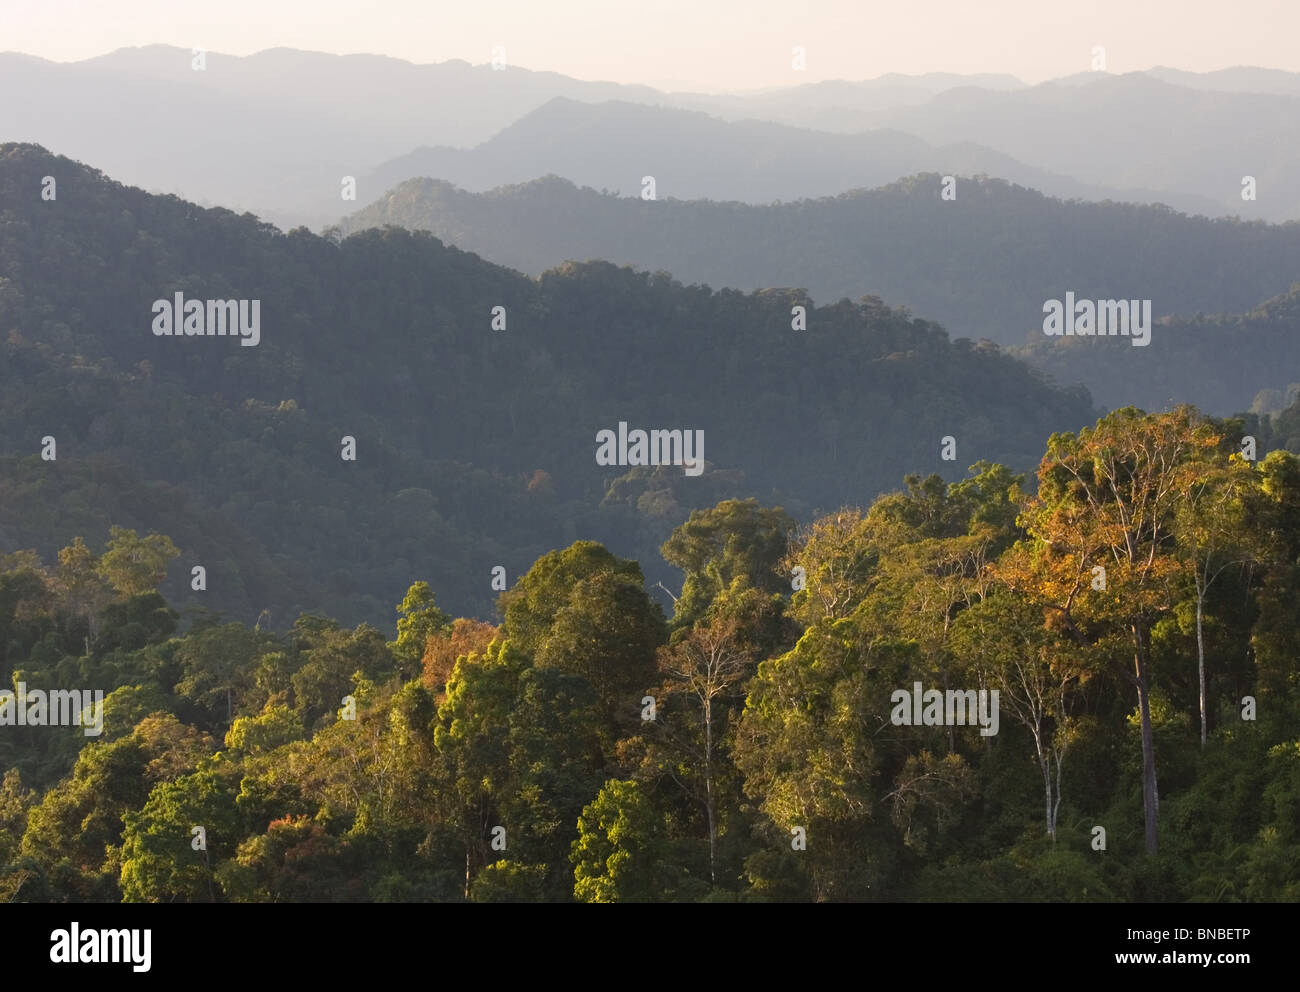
x=474 y=447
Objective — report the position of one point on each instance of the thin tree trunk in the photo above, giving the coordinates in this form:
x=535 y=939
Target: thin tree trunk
x=1150 y=795
x=1200 y=652
x=708 y=786
x=1056 y=809
x=1045 y=766
x=1047 y=788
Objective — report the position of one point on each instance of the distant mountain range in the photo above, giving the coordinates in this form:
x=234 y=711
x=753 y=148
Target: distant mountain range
x=276 y=132
x=691 y=155
x=1134 y=131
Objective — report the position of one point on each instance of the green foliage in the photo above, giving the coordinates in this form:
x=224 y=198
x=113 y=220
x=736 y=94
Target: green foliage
x=614 y=857
x=133 y=565
x=159 y=862
x=509 y=881
x=734 y=545
x=274 y=727
x=531 y=604
x=607 y=632
x=539 y=775
x=420 y=619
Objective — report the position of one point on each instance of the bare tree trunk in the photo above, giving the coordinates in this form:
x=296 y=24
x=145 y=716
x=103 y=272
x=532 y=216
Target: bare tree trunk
x=212 y=896
x=1045 y=766
x=1047 y=788
x=708 y=786
x=1056 y=809
x=1150 y=795
x=1200 y=651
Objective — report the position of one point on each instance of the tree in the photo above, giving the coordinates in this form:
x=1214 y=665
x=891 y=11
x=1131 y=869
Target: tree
x=1109 y=498
x=24 y=618
x=815 y=744
x=419 y=620
x=133 y=565
x=218 y=670
x=700 y=671
x=616 y=853
x=293 y=860
x=838 y=554
x=531 y=605
x=608 y=633
x=333 y=660
x=555 y=763
x=1275 y=518
x=134 y=623
x=81 y=588
x=470 y=735
x=81 y=818
x=736 y=541
x=510 y=881
x=14 y=803
x=159 y=860
x=1005 y=640
x=78 y=824
x=272 y=728
x=1213 y=536
x=466 y=636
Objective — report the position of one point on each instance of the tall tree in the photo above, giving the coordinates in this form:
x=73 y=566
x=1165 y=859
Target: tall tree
x=419 y=619
x=81 y=588
x=701 y=670
x=1213 y=536
x=1005 y=640
x=1108 y=499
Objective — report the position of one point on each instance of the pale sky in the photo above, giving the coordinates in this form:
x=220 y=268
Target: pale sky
x=698 y=44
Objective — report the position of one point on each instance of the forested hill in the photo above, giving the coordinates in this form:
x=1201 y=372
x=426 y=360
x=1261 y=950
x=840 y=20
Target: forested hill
x=475 y=447
x=1221 y=362
x=981 y=264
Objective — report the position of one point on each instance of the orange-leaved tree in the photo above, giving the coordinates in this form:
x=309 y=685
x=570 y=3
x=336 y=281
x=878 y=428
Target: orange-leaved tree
x=1104 y=554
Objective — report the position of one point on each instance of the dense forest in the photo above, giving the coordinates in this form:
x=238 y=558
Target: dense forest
x=475 y=446
x=1133 y=606
x=981 y=263
x=610 y=682
x=1225 y=362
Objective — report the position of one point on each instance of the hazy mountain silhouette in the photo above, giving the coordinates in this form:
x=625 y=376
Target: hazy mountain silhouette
x=277 y=131
x=692 y=155
x=1133 y=131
